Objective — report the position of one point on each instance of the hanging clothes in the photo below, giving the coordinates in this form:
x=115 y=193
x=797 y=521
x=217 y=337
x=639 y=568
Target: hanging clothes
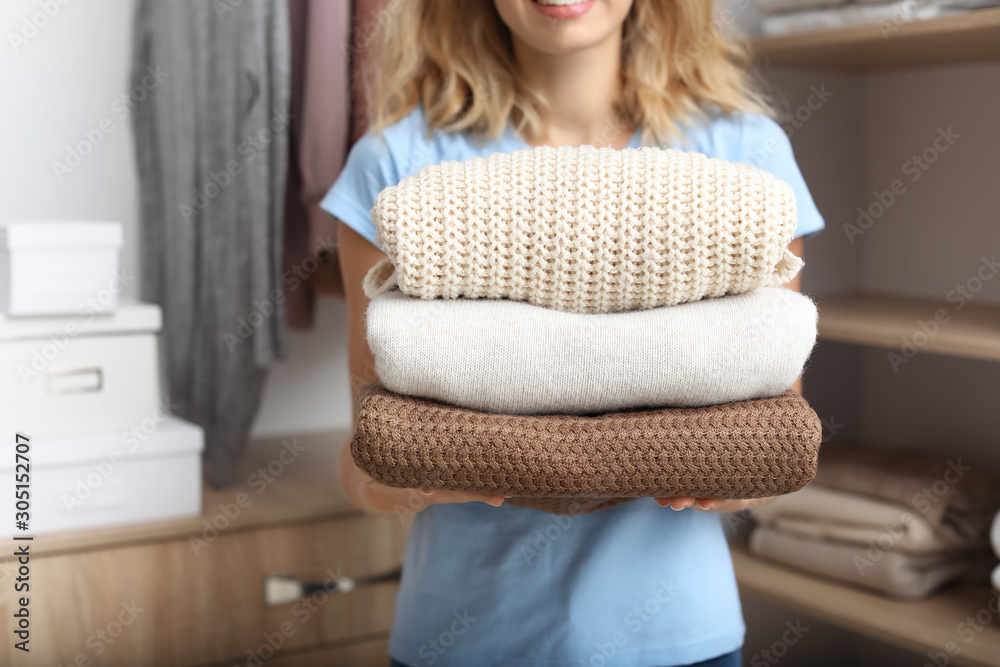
x=369 y=16
x=320 y=134
x=211 y=148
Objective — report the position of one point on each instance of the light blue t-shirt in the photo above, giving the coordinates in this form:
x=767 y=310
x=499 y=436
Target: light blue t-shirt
x=636 y=585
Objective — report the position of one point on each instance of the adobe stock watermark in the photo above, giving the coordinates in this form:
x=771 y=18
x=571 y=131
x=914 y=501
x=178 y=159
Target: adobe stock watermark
x=923 y=501
x=779 y=649
x=433 y=649
x=929 y=328
x=252 y=145
x=32 y=24
x=543 y=538
x=129 y=441
x=101 y=639
x=634 y=621
x=901 y=14
x=292 y=279
x=121 y=108
x=914 y=169
x=43 y=356
x=967 y=630
x=260 y=480
x=791 y=122
x=363 y=35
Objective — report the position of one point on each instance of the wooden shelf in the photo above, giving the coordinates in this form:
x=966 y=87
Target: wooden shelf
x=884 y=321
x=960 y=38
x=306 y=491
x=922 y=627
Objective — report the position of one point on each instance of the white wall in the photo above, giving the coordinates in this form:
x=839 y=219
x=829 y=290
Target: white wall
x=57 y=88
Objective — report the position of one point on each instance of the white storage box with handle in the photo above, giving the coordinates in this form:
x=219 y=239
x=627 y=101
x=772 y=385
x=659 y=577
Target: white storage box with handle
x=59 y=268
x=74 y=375
x=150 y=472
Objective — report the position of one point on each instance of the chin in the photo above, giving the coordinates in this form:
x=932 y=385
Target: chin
x=563 y=26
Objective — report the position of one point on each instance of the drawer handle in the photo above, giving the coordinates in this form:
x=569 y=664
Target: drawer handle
x=75 y=381
x=286 y=589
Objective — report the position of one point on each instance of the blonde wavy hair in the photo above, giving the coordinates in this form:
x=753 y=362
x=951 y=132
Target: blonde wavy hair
x=455 y=58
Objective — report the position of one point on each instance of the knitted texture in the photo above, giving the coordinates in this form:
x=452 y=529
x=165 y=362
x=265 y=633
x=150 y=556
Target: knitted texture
x=503 y=356
x=748 y=449
x=585 y=230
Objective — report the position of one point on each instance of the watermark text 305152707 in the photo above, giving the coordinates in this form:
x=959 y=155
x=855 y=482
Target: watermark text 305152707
x=22 y=541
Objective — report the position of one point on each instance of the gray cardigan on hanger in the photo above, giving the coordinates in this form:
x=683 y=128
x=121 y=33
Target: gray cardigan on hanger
x=211 y=146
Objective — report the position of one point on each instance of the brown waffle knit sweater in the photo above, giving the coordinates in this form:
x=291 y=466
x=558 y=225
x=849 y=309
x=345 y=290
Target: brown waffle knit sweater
x=748 y=449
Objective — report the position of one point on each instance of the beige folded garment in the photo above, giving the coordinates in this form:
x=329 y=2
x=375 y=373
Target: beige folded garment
x=819 y=512
x=893 y=572
x=585 y=230
x=958 y=498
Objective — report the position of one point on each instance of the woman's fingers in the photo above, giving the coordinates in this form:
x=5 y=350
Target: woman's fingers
x=684 y=502
x=440 y=497
x=676 y=503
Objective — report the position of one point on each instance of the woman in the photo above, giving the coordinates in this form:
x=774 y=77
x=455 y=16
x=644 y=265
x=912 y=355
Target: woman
x=485 y=583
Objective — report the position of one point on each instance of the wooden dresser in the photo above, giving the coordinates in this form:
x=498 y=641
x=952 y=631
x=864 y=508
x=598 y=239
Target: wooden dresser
x=190 y=592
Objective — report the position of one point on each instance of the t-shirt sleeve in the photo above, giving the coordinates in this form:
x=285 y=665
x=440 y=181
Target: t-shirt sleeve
x=766 y=145
x=369 y=169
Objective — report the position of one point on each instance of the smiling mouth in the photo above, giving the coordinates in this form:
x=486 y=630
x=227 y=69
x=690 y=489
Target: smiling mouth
x=563 y=9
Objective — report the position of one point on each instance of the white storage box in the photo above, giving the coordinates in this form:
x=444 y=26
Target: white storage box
x=59 y=268
x=149 y=473
x=71 y=375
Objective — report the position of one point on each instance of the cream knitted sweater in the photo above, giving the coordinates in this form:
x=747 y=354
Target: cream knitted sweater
x=507 y=357
x=585 y=230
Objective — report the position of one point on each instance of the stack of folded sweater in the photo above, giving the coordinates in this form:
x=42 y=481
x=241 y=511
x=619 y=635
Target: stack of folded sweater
x=577 y=327
x=786 y=17
x=896 y=522
x=995 y=541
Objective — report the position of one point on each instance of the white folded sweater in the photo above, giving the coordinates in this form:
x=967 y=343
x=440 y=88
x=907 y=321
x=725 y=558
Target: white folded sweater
x=818 y=512
x=512 y=357
x=995 y=535
x=905 y=575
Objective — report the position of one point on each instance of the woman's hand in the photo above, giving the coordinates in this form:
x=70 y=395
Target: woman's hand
x=714 y=505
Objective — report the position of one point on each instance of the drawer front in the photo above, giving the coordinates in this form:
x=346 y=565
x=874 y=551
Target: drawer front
x=67 y=384
x=200 y=601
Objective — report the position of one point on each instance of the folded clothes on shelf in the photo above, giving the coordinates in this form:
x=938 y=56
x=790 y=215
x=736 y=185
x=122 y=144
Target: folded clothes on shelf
x=894 y=572
x=958 y=499
x=887 y=14
x=583 y=229
x=995 y=535
x=749 y=449
x=785 y=6
x=516 y=358
x=821 y=513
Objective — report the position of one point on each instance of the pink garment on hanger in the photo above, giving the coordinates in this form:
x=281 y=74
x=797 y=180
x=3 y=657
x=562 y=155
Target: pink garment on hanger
x=321 y=118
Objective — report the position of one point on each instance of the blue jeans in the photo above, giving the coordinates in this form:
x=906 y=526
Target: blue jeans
x=734 y=659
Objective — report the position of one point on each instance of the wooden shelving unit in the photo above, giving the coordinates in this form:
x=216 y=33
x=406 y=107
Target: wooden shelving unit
x=888 y=321
x=881 y=320
x=923 y=627
x=960 y=38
